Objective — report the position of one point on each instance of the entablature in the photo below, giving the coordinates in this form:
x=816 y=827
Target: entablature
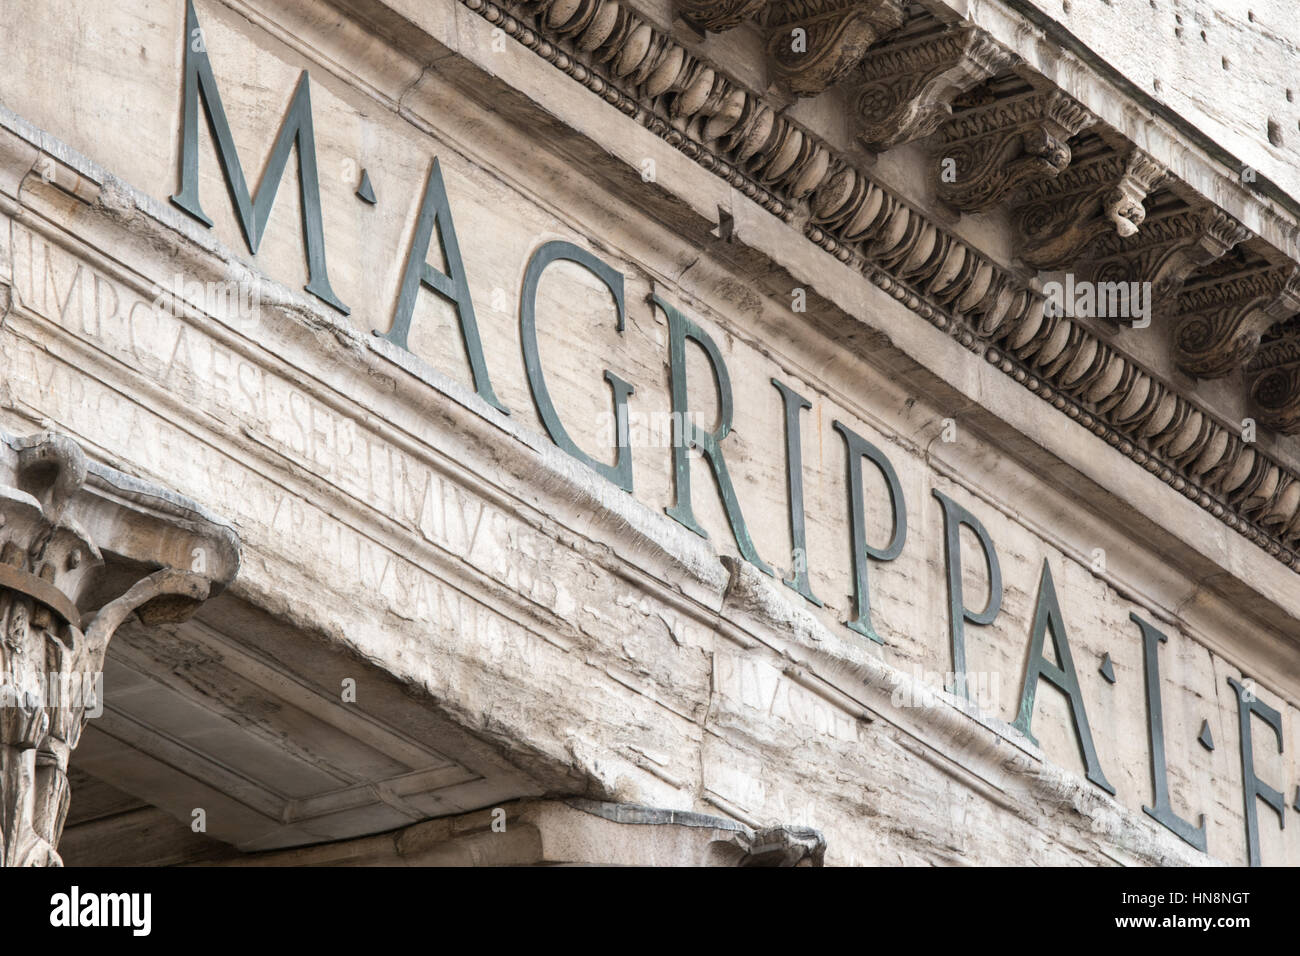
x=1090 y=178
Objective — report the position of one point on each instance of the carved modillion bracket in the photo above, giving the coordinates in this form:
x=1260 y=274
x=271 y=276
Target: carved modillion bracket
x=719 y=15
x=987 y=151
x=1065 y=215
x=1169 y=249
x=904 y=91
x=1275 y=388
x=813 y=43
x=1220 y=322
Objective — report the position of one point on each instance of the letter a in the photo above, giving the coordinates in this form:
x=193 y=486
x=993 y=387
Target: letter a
x=1048 y=615
x=435 y=213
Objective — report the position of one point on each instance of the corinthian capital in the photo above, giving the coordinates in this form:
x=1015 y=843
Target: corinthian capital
x=59 y=516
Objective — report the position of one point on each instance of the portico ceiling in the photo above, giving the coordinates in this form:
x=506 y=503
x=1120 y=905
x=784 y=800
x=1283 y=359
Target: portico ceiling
x=245 y=718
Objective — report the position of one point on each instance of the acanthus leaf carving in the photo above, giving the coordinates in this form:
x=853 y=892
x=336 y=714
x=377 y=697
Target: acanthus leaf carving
x=1221 y=321
x=1063 y=216
x=995 y=148
x=813 y=43
x=1170 y=248
x=51 y=662
x=905 y=90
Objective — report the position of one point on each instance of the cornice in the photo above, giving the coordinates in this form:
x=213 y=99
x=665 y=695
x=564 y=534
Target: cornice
x=743 y=137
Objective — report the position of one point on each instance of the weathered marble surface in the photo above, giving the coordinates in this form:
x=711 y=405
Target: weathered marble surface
x=1225 y=66
x=580 y=630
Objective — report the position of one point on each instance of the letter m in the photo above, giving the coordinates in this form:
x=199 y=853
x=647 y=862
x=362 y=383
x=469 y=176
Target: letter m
x=119 y=906
x=1113 y=300
x=253 y=211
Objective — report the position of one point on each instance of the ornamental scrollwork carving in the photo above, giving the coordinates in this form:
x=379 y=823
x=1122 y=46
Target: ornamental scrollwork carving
x=1171 y=247
x=987 y=151
x=1275 y=378
x=813 y=43
x=1063 y=216
x=904 y=91
x=1276 y=394
x=1220 y=321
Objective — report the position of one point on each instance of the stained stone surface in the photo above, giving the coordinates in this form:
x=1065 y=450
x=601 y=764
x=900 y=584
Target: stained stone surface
x=526 y=627
x=1225 y=66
